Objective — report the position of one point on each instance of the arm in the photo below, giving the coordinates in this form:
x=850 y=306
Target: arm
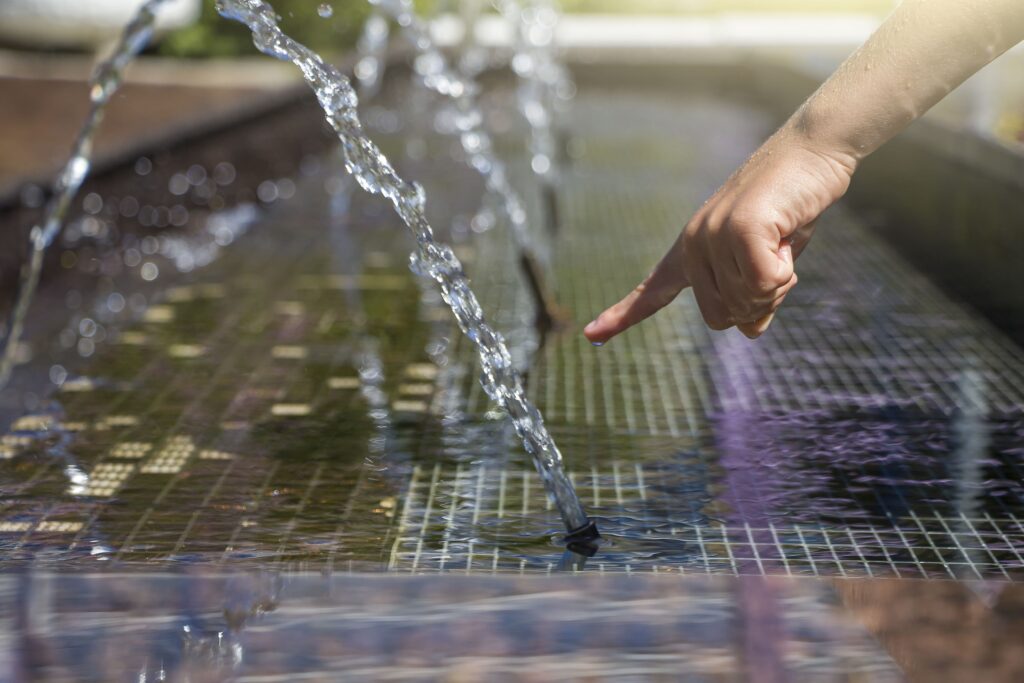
x=738 y=251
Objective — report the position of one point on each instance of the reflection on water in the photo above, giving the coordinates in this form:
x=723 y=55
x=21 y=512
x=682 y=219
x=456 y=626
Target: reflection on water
x=303 y=402
x=294 y=626
x=210 y=627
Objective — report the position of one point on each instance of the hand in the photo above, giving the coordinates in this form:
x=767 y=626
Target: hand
x=738 y=251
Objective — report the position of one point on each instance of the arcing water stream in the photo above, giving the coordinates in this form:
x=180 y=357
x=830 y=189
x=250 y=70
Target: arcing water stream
x=544 y=87
x=375 y=175
x=437 y=75
x=105 y=83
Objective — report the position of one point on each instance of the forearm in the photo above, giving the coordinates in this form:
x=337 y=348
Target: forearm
x=738 y=250
x=924 y=50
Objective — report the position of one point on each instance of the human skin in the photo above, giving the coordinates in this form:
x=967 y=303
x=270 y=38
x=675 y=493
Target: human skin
x=738 y=250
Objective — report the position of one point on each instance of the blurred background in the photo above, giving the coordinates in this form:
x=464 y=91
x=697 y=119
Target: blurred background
x=201 y=64
x=194 y=30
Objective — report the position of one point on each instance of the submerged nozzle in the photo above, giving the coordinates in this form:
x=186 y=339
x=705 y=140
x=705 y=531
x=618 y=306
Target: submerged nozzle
x=549 y=198
x=583 y=540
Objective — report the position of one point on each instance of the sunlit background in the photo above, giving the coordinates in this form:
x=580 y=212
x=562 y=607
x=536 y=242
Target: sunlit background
x=46 y=23
x=821 y=32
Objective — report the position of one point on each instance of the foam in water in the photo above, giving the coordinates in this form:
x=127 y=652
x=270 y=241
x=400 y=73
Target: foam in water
x=105 y=83
x=375 y=174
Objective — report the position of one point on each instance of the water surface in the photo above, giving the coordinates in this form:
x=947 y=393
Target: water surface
x=302 y=401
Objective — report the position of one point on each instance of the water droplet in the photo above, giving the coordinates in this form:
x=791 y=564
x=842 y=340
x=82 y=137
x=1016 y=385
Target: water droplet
x=196 y=175
x=267 y=192
x=178 y=184
x=325 y=11
x=286 y=188
x=86 y=347
x=540 y=164
x=224 y=174
x=129 y=207
x=116 y=302
x=92 y=203
x=132 y=257
x=58 y=374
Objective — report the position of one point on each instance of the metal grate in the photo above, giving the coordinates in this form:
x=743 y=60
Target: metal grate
x=505 y=517
x=875 y=432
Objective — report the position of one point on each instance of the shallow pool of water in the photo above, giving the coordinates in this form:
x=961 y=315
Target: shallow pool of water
x=304 y=402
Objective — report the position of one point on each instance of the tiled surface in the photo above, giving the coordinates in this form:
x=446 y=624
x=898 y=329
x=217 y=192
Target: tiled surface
x=303 y=401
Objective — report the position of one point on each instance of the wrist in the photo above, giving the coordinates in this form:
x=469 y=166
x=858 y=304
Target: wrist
x=822 y=132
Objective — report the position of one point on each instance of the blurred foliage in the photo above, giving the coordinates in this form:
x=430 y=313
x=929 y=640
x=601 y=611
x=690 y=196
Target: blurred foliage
x=214 y=36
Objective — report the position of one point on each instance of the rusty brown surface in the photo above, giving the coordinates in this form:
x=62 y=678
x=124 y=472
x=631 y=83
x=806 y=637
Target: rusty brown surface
x=944 y=630
x=40 y=118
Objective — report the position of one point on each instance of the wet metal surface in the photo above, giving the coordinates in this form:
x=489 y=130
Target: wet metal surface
x=302 y=401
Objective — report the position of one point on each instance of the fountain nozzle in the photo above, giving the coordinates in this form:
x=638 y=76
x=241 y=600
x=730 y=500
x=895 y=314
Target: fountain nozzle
x=583 y=540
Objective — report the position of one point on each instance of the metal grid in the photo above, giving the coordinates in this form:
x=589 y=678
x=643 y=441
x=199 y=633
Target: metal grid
x=863 y=331
x=507 y=520
x=865 y=388
x=875 y=432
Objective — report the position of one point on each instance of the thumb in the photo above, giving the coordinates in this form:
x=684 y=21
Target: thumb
x=756 y=329
x=658 y=290
x=785 y=265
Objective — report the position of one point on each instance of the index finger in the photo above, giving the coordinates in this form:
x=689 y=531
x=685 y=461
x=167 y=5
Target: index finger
x=654 y=293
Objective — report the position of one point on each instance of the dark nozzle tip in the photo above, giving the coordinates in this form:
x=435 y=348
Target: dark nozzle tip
x=584 y=539
x=549 y=193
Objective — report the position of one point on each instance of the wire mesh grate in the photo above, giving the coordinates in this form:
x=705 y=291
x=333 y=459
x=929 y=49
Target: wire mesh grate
x=326 y=413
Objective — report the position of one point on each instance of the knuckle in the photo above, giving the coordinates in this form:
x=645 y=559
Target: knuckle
x=659 y=296
x=744 y=220
x=692 y=233
x=753 y=216
x=761 y=282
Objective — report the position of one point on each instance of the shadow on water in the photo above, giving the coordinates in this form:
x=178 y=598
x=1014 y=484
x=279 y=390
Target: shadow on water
x=549 y=317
